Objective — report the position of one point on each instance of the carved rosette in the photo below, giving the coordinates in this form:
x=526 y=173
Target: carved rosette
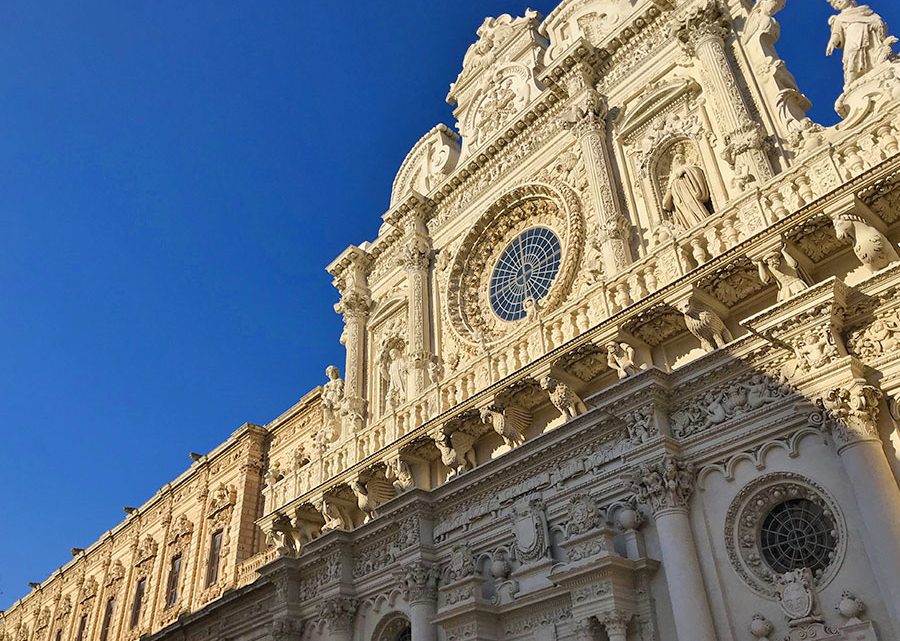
x=666 y=485
x=849 y=414
x=338 y=612
x=418 y=582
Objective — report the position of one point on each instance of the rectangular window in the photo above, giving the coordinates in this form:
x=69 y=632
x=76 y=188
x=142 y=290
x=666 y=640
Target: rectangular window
x=82 y=625
x=107 y=619
x=172 y=584
x=139 y=590
x=212 y=564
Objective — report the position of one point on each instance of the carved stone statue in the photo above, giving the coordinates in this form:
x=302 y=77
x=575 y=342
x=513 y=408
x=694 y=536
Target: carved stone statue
x=781 y=267
x=687 y=194
x=400 y=475
x=705 y=325
x=394 y=371
x=863 y=36
x=872 y=247
x=761 y=22
x=332 y=395
x=457 y=451
x=563 y=398
x=510 y=423
x=332 y=515
x=371 y=495
x=620 y=357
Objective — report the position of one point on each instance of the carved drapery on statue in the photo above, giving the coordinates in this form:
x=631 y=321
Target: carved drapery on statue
x=862 y=34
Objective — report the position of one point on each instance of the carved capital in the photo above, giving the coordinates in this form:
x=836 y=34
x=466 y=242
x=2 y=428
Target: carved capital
x=705 y=22
x=353 y=305
x=615 y=623
x=588 y=115
x=286 y=628
x=849 y=414
x=338 y=612
x=418 y=582
x=665 y=485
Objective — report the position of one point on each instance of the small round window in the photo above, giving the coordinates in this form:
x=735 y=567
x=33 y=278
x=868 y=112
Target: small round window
x=797 y=534
x=526 y=270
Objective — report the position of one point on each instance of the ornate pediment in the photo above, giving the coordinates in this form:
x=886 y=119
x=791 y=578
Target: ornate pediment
x=592 y=20
x=430 y=160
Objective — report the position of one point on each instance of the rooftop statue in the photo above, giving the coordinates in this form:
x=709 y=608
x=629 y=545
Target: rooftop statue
x=863 y=36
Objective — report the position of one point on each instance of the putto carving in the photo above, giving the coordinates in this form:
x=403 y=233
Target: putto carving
x=862 y=34
x=418 y=582
x=371 y=494
x=705 y=325
x=563 y=398
x=727 y=402
x=640 y=425
x=510 y=423
x=850 y=414
x=665 y=485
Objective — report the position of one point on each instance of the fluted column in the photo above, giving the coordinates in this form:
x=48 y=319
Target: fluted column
x=416 y=262
x=850 y=414
x=588 y=124
x=418 y=581
x=701 y=30
x=338 y=613
x=666 y=487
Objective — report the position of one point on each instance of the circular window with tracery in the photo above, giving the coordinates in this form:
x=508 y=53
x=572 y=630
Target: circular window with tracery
x=783 y=522
x=797 y=534
x=525 y=271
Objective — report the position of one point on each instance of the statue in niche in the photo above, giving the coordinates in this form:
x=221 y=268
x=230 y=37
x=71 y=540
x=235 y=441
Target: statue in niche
x=781 y=267
x=394 y=372
x=687 y=195
x=863 y=36
x=332 y=395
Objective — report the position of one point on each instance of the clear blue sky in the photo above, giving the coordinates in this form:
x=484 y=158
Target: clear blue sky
x=174 y=176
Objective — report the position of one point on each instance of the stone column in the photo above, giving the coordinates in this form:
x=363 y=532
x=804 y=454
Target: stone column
x=588 y=124
x=351 y=279
x=616 y=624
x=701 y=29
x=418 y=582
x=666 y=487
x=416 y=261
x=338 y=613
x=850 y=414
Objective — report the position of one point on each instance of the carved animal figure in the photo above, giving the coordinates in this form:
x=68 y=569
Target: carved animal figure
x=334 y=520
x=457 y=452
x=705 y=325
x=563 y=398
x=371 y=495
x=285 y=537
x=510 y=423
x=872 y=248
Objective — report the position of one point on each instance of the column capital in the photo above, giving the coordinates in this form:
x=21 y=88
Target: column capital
x=353 y=305
x=588 y=114
x=705 y=21
x=418 y=582
x=665 y=485
x=338 y=612
x=416 y=256
x=615 y=623
x=849 y=413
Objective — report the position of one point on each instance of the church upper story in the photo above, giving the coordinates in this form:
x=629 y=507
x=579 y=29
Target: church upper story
x=626 y=182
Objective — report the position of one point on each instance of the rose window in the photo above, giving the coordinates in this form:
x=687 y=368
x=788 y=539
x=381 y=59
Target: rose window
x=525 y=271
x=797 y=534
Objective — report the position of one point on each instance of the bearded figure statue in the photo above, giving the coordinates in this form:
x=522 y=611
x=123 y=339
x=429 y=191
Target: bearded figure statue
x=863 y=36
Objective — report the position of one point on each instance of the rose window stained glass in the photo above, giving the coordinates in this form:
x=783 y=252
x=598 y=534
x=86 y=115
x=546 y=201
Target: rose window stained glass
x=526 y=270
x=797 y=534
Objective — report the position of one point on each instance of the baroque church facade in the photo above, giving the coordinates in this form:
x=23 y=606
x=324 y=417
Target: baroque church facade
x=621 y=365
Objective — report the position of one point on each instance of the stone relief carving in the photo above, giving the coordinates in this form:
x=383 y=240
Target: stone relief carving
x=428 y=163
x=529 y=527
x=724 y=403
x=849 y=414
x=667 y=484
x=332 y=397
